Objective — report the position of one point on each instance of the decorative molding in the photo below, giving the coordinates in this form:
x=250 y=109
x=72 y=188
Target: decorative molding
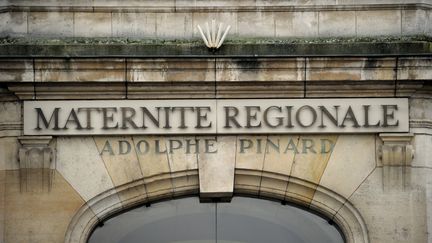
x=36 y=163
x=397 y=149
x=213 y=38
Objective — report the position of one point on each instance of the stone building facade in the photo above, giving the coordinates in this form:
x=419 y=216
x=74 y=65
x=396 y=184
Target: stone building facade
x=376 y=186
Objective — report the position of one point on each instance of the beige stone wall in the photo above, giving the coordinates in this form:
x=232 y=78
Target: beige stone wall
x=169 y=19
x=369 y=199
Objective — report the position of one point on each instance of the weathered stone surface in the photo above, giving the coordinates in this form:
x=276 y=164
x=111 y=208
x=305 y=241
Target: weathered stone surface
x=413 y=22
x=2 y=203
x=309 y=163
x=46 y=24
x=79 y=162
x=13 y=24
x=274 y=187
x=38 y=217
x=352 y=160
x=279 y=160
x=411 y=68
x=345 y=69
x=152 y=163
x=250 y=152
x=170 y=70
x=174 y=25
x=265 y=70
x=393 y=215
x=10 y=121
x=80 y=70
x=217 y=169
x=337 y=23
x=134 y=25
x=16 y=70
x=92 y=24
x=184 y=158
x=423 y=151
x=120 y=159
x=227 y=18
x=389 y=22
x=295 y=24
x=9 y=153
x=256 y=24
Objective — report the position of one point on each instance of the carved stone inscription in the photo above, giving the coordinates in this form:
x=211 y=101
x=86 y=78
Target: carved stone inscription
x=260 y=116
x=209 y=146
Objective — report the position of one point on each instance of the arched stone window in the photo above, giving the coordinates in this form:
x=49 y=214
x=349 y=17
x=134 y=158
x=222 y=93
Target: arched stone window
x=243 y=220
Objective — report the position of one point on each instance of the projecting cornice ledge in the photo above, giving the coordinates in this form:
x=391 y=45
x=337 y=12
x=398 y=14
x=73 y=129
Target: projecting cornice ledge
x=310 y=47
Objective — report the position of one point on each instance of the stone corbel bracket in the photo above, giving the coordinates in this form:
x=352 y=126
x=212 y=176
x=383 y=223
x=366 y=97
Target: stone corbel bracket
x=396 y=149
x=36 y=163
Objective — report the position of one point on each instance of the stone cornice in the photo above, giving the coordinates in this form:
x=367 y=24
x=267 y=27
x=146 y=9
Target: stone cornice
x=191 y=6
x=174 y=78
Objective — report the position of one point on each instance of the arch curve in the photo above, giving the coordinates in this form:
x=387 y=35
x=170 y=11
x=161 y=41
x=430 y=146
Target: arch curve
x=325 y=202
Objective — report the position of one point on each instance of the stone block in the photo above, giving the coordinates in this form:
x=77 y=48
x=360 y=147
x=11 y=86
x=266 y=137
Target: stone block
x=423 y=151
x=256 y=24
x=174 y=25
x=10 y=121
x=346 y=69
x=273 y=187
x=51 y=24
x=186 y=184
x=75 y=91
x=39 y=217
x=312 y=153
x=260 y=70
x=326 y=202
x=105 y=204
x=279 y=158
x=159 y=189
x=420 y=109
x=216 y=169
x=414 y=22
x=428 y=23
x=134 y=25
x=184 y=158
x=175 y=90
x=132 y=193
x=9 y=153
x=250 y=152
x=16 y=70
x=120 y=159
x=379 y=22
x=297 y=192
x=227 y=18
x=247 y=182
x=92 y=24
x=80 y=70
x=170 y=70
x=396 y=215
x=296 y=24
x=79 y=162
x=351 y=161
x=418 y=68
x=337 y=23
x=13 y=24
x=155 y=160
x=2 y=203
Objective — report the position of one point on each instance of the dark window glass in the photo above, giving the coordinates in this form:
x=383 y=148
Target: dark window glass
x=244 y=220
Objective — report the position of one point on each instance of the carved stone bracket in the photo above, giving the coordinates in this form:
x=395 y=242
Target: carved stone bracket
x=36 y=163
x=397 y=149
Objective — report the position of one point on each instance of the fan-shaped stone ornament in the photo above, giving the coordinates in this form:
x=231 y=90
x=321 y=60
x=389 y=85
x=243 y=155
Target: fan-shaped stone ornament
x=213 y=38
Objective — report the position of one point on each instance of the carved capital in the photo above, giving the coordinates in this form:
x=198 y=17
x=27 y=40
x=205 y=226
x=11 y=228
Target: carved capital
x=396 y=149
x=36 y=162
